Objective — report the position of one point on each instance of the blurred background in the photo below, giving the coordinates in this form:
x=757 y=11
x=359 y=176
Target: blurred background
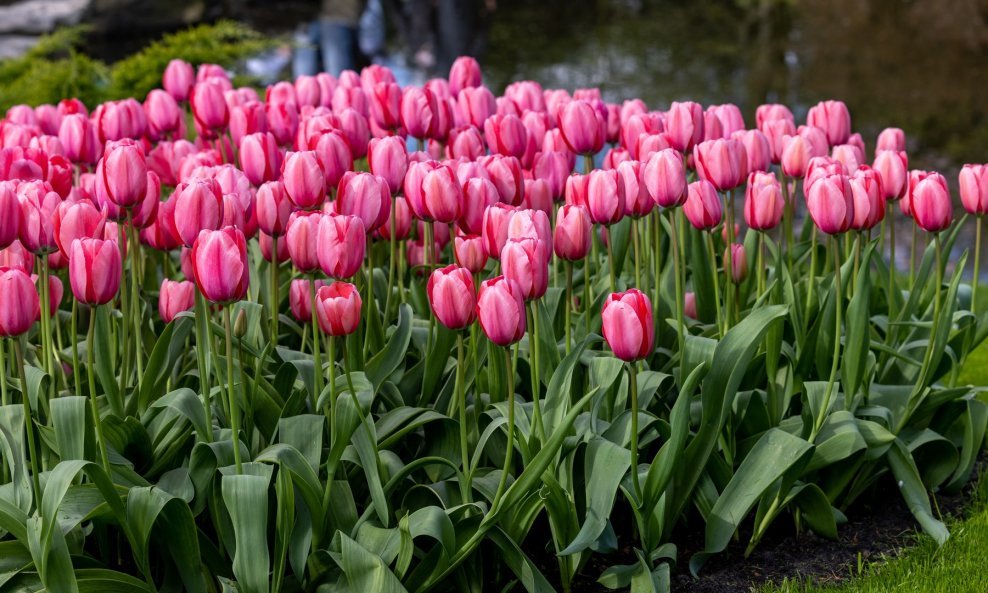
x=915 y=64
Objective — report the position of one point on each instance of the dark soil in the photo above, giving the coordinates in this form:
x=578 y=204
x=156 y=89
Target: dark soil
x=880 y=526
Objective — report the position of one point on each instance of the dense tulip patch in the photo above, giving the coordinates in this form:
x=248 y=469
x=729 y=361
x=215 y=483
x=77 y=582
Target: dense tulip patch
x=295 y=355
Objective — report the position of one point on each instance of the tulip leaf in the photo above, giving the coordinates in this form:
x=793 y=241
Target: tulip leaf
x=167 y=350
x=246 y=499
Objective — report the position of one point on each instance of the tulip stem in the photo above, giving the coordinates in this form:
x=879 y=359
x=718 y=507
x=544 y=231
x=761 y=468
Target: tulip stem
x=202 y=353
x=675 y=238
x=638 y=254
x=509 y=450
x=713 y=260
x=729 y=267
x=534 y=361
x=316 y=360
x=569 y=304
x=392 y=263
x=811 y=281
x=371 y=309
x=461 y=405
x=427 y=253
x=586 y=292
x=231 y=392
x=761 y=259
x=657 y=223
x=977 y=265
x=46 y=332
x=135 y=302
x=912 y=256
x=275 y=300
x=125 y=349
x=839 y=314
x=787 y=213
x=892 y=287
x=91 y=374
x=636 y=484
x=29 y=424
x=74 y=322
x=611 y=262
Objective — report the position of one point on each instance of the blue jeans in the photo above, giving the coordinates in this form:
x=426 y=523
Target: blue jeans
x=305 y=58
x=337 y=41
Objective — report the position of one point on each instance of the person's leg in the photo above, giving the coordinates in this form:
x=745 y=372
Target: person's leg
x=305 y=58
x=337 y=47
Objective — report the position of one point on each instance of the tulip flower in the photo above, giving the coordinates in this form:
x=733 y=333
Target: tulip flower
x=163 y=114
x=869 y=198
x=628 y=326
x=501 y=310
x=465 y=73
x=175 y=297
x=220 y=266
x=637 y=200
x=689 y=305
x=94 y=270
x=76 y=220
x=465 y=142
x=891 y=139
x=365 y=196
x=300 y=298
x=763 y=204
x=703 y=207
x=775 y=132
x=178 y=79
x=260 y=157
x=583 y=129
x=10 y=214
x=772 y=112
x=664 y=177
x=893 y=167
x=684 y=125
x=342 y=242
x=209 y=108
x=388 y=159
x=37 y=210
x=757 y=149
x=304 y=179
x=402 y=221
x=335 y=156
x=384 y=100
x=474 y=105
x=529 y=224
x=604 y=203
x=830 y=201
x=248 y=119
x=506 y=135
x=122 y=174
x=478 y=195
x=973 y=181
x=418 y=111
x=930 y=202
x=302 y=239
x=198 y=207
x=441 y=196
x=721 y=162
x=18 y=302
x=736 y=261
x=526 y=261
x=506 y=174
x=452 y=296
x=338 y=307
x=833 y=118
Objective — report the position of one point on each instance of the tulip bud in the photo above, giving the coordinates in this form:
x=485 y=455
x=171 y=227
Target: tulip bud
x=973 y=181
x=507 y=176
x=240 y=324
x=174 y=298
x=300 y=298
x=474 y=105
x=603 y=201
x=260 y=157
x=384 y=100
x=302 y=239
x=763 y=204
x=501 y=310
x=94 y=270
x=465 y=142
x=689 y=305
x=304 y=179
x=121 y=174
x=470 y=253
x=637 y=201
x=76 y=220
x=775 y=132
x=18 y=302
x=220 y=267
x=772 y=112
x=891 y=139
x=163 y=114
x=506 y=135
x=757 y=150
x=198 y=207
x=583 y=129
x=930 y=202
x=833 y=118
x=209 y=107
x=452 y=297
x=736 y=260
x=830 y=201
x=893 y=167
x=178 y=79
x=335 y=156
x=388 y=159
x=869 y=198
x=721 y=162
x=37 y=210
x=342 y=243
x=628 y=325
x=571 y=238
x=478 y=195
x=464 y=73
x=702 y=207
x=684 y=125
x=526 y=261
x=338 y=307
x=10 y=214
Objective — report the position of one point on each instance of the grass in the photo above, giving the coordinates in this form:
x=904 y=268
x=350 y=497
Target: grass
x=957 y=567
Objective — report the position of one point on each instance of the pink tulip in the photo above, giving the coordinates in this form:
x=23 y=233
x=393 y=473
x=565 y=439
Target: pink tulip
x=384 y=100
x=929 y=200
x=501 y=310
x=300 y=298
x=721 y=162
x=60 y=174
x=474 y=105
x=537 y=196
x=37 y=209
x=893 y=167
x=702 y=207
x=869 y=198
x=302 y=238
x=282 y=121
x=772 y=112
x=529 y=224
x=891 y=139
x=55 y=293
x=452 y=297
x=526 y=261
x=763 y=204
x=689 y=305
x=638 y=125
x=796 y=154
x=341 y=245
x=10 y=214
x=335 y=156
x=198 y=207
x=465 y=73
x=388 y=158
x=973 y=181
x=737 y=262
x=418 y=111
x=119 y=120
x=209 y=108
x=273 y=208
x=664 y=177
x=628 y=325
x=260 y=157
x=246 y=119
x=684 y=125
x=775 y=132
x=267 y=249
x=163 y=114
x=553 y=168
x=439 y=195
x=833 y=118
x=304 y=179
x=338 y=307
x=604 y=202
x=365 y=196
x=478 y=194
x=495 y=227
x=756 y=148
x=175 y=297
x=94 y=270
x=830 y=201
x=637 y=201
x=417 y=254
x=582 y=127
x=465 y=142
x=506 y=134
x=403 y=221
x=506 y=174
x=849 y=154
x=470 y=253
x=817 y=138
x=178 y=79
x=220 y=267
x=18 y=302
x=571 y=238
x=308 y=91
x=76 y=220
x=121 y=175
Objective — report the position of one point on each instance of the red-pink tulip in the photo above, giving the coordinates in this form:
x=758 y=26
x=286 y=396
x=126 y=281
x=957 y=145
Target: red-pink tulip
x=506 y=174
x=478 y=194
x=929 y=200
x=198 y=207
x=736 y=260
x=365 y=196
x=220 y=266
x=260 y=157
x=538 y=196
x=175 y=297
x=721 y=162
x=775 y=132
x=833 y=118
x=273 y=208
x=119 y=120
x=300 y=298
x=94 y=270
x=571 y=237
x=891 y=139
x=464 y=73
x=384 y=101
x=302 y=238
x=469 y=252
x=501 y=310
x=388 y=159
x=76 y=220
x=209 y=107
x=506 y=134
x=830 y=201
x=637 y=201
x=529 y=224
x=55 y=293
x=163 y=114
x=893 y=166
x=335 y=156
x=37 y=209
x=973 y=181
x=628 y=325
x=604 y=201
x=452 y=296
x=178 y=79
x=474 y=105
x=441 y=196
x=495 y=227
x=418 y=107
x=465 y=142
x=850 y=155
x=582 y=126
x=689 y=305
x=684 y=125
x=342 y=243
x=772 y=112
x=869 y=198
x=10 y=214
x=526 y=261
x=60 y=174
x=756 y=148
x=304 y=179
x=702 y=207
x=796 y=154
x=18 y=302
x=338 y=307
x=121 y=175
x=763 y=203
x=664 y=177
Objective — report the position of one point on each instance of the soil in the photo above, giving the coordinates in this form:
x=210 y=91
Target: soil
x=877 y=528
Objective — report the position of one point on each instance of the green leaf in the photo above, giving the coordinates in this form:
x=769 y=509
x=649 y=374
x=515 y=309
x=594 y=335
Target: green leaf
x=387 y=361
x=246 y=499
x=169 y=347
x=855 y=355
x=365 y=571
x=105 y=343
x=70 y=417
x=605 y=464
x=904 y=469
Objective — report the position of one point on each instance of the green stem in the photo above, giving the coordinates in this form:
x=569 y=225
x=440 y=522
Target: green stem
x=811 y=281
x=787 y=223
x=135 y=246
x=231 y=392
x=839 y=313
x=392 y=263
x=977 y=265
x=370 y=296
x=611 y=262
x=509 y=450
x=892 y=289
x=74 y=323
x=202 y=354
x=638 y=255
x=586 y=293
x=678 y=271
x=316 y=360
x=761 y=267
x=461 y=405
x=46 y=325
x=91 y=373
x=636 y=484
x=332 y=386
x=729 y=268
x=657 y=223
x=275 y=300
x=569 y=303
x=713 y=260
x=534 y=362
x=912 y=256
x=29 y=426
x=125 y=346
x=427 y=252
